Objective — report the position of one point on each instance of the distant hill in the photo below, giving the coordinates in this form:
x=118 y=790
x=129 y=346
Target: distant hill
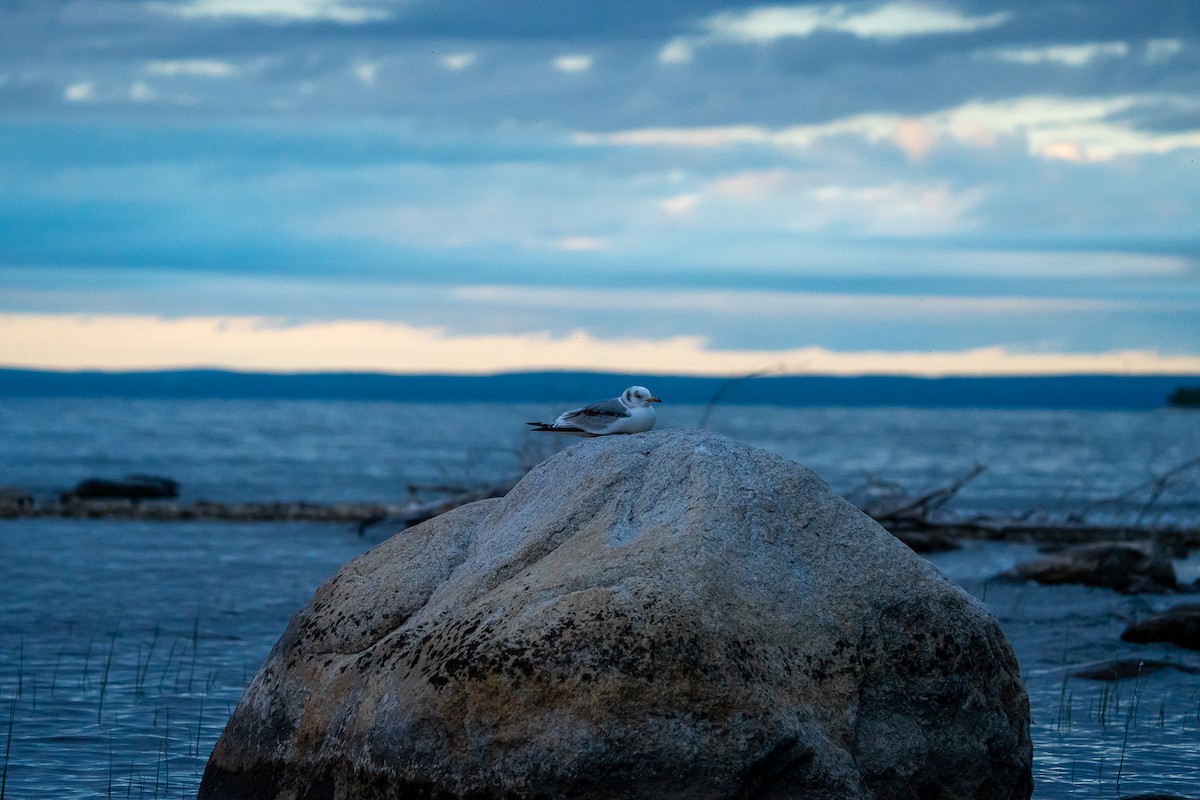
x=1072 y=391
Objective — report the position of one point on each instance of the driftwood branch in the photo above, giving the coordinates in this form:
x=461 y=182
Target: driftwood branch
x=918 y=510
x=419 y=512
x=918 y=523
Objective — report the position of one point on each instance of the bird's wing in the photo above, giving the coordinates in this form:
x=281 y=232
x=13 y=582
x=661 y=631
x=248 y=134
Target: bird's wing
x=595 y=418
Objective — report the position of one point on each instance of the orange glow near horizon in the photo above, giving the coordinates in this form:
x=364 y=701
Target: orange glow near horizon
x=118 y=342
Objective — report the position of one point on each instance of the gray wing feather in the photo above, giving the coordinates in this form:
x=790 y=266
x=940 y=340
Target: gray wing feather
x=596 y=417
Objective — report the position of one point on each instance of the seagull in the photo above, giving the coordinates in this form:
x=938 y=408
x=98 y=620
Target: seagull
x=632 y=412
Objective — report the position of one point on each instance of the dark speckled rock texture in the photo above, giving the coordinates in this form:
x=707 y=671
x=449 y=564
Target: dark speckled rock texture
x=666 y=615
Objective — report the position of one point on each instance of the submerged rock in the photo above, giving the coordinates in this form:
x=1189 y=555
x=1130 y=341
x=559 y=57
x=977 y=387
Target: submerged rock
x=1122 y=668
x=666 y=615
x=1124 y=566
x=1179 y=625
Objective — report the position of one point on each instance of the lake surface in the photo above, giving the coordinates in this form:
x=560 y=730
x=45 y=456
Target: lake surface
x=124 y=645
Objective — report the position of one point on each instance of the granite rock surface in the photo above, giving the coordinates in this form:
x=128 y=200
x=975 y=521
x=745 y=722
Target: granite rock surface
x=665 y=615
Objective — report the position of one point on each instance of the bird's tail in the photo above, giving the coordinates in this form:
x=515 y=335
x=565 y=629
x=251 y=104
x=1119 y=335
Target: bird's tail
x=544 y=427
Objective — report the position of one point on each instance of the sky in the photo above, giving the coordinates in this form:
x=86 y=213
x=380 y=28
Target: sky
x=967 y=187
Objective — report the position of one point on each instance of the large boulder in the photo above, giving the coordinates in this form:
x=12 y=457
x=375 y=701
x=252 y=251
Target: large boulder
x=665 y=615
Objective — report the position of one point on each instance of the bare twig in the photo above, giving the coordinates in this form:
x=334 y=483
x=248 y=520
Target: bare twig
x=1159 y=485
x=420 y=512
x=729 y=384
x=1156 y=486
x=920 y=507
x=875 y=494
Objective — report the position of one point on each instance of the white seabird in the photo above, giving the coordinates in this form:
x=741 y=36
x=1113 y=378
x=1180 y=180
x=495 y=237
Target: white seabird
x=632 y=412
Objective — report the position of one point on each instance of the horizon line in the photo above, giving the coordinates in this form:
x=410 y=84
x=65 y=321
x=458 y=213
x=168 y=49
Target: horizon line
x=82 y=342
x=599 y=372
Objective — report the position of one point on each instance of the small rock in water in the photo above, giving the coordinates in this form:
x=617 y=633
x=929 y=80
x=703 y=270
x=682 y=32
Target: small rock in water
x=15 y=501
x=928 y=541
x=132 y=487
x=1123 y=566
x=1121 y=668
x=661 y=615
x=1179 y=625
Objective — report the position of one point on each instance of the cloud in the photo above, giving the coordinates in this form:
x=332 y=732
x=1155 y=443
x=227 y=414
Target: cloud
x=886 y=21
x=915 y=138
x=1080 y=264
x=1076 y=129
x=367 y=72
x=138 y=93
x=1071 y=128
x=580 y=244
x=1074 y=55
x=258 y=343
x=142 y=92
x=573 y=63
x=712 y=136
x=792 y=200
x=1160 y=51
x=871 y=127
x=901 y=19
x=896 y=209
x=754 y=183
x=786 y=304
x=275 y=10
x=203 y=67
x=765 y=25
x=458 y=61
x=681 y=205
x=80 y=92
x=677 y=51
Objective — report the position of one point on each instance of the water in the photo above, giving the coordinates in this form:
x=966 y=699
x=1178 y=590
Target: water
x=1092 y=739
x=324 y=451
x=124 y=645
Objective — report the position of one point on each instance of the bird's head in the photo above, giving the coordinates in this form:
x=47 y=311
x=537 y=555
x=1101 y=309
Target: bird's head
x=638 y=396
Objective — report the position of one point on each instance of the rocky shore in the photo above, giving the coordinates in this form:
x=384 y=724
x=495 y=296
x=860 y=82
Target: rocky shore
x=18 y=503
x=924 y=535
x=170 y=511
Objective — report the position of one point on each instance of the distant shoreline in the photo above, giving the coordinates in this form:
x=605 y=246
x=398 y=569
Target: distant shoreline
x=1132 y=392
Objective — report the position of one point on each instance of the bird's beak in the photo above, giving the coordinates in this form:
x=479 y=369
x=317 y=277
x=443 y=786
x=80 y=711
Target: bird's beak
x=654 y=400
